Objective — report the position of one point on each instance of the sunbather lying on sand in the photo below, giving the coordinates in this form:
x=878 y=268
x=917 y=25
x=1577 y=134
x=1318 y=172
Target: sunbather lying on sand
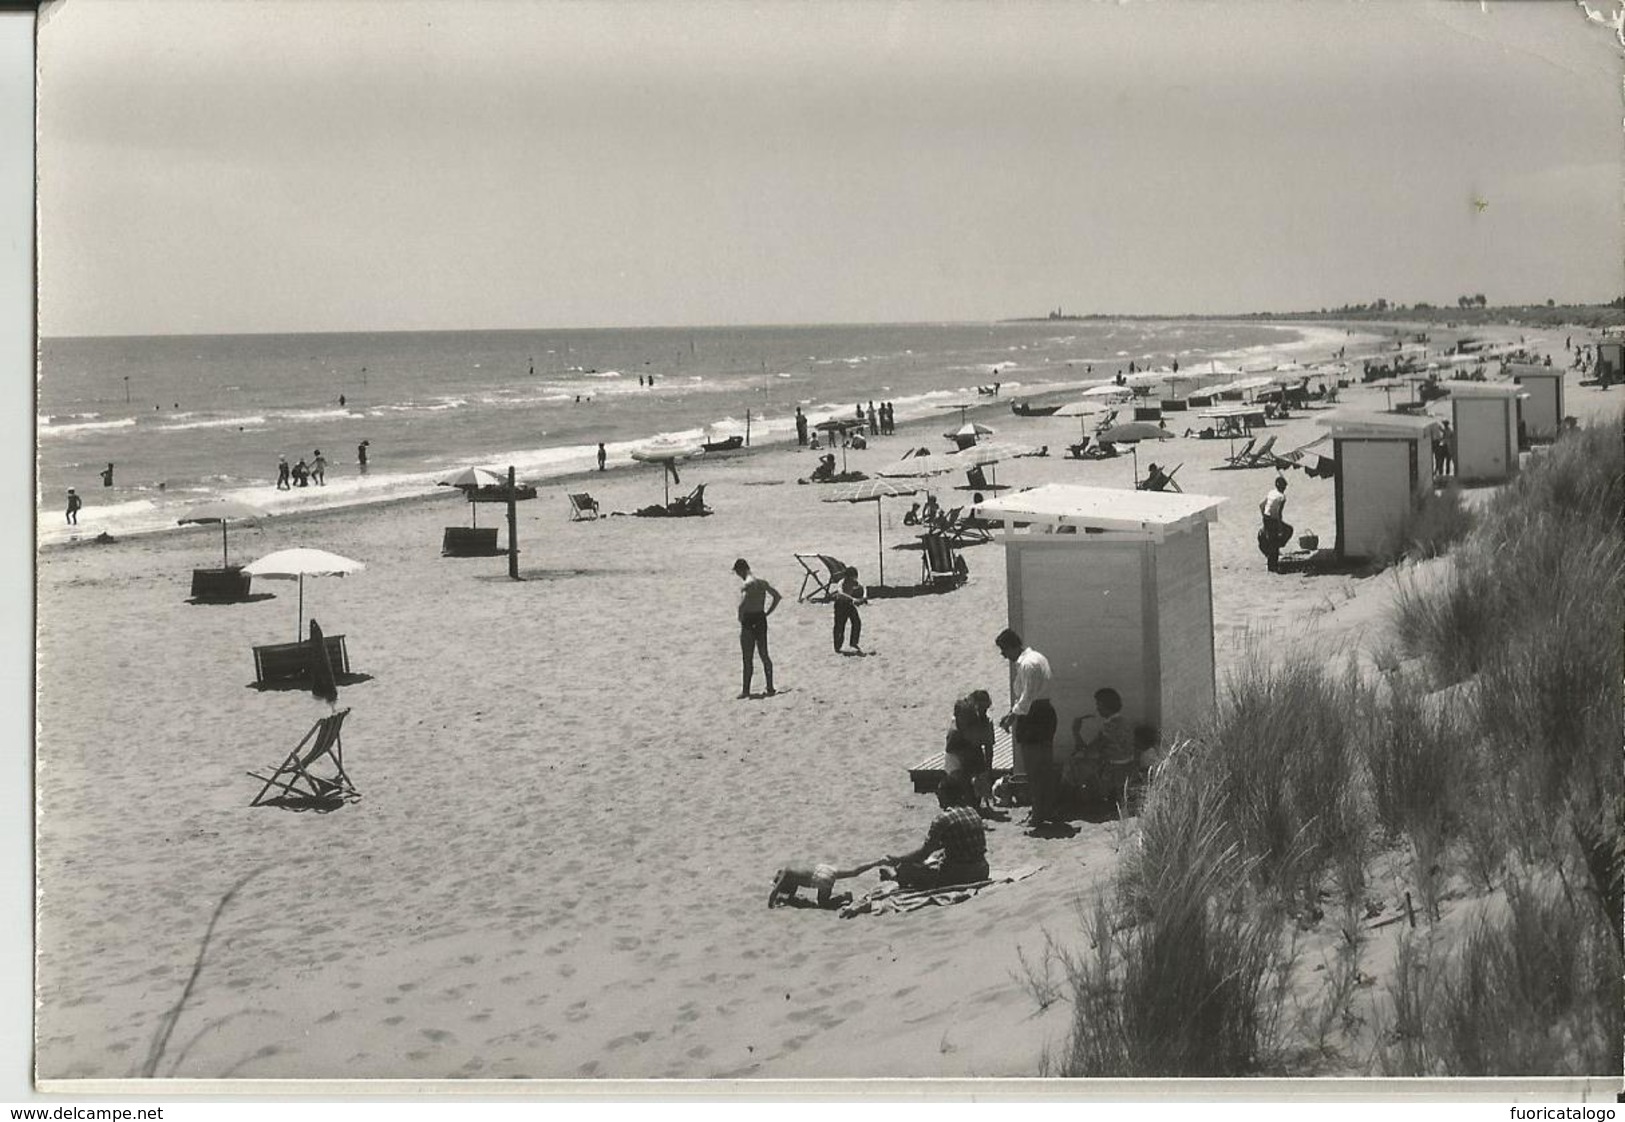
x=793 y=878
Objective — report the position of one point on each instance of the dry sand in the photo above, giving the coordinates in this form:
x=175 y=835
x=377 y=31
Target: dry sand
x=560 y=864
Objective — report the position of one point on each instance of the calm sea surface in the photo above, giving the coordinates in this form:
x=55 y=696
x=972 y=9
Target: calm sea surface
x=187 y=418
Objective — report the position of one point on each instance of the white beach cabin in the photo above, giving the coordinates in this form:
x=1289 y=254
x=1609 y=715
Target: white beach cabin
x=1542 y=410
x=1114 y=587
x=1485 y=415
x=1383 y=459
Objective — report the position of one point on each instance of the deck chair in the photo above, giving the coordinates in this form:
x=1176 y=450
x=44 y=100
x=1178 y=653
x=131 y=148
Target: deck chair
x=823 y=573
x=976 y=478
x=690 y=504
x=1077 y=451
x=297 y=785
x=940 y=566
x=583 y=507
x=963 y=529
x=1161 y=481
x=1240 y=458
x=1107 y=422
x=1263 y=456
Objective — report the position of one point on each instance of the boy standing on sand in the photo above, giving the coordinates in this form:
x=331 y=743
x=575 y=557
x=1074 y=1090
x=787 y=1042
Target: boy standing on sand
x=73 y=507
x=754 y=609
x=318 y=468
x=282 y=478
x=602 y=456
x=848 y=595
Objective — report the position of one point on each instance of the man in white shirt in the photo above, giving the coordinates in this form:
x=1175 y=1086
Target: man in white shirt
x=1275 y=532
x=1032 y=721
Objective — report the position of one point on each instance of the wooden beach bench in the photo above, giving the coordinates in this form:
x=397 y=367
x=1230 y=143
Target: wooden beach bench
x=290 y=662
x=469 y=541
x=926 y=774
x=221 y=586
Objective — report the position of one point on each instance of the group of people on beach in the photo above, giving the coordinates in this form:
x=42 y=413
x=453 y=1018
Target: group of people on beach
x=303 y=474
x=1103 y=766
x=878 y=420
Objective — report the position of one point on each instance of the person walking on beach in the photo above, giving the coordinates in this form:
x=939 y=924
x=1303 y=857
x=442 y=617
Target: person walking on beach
x=848 y=595
x=318 y=468
x=107 y=476
x=1275 y=532
x=755 y=595
x=602 y=455
x=1032 y=722
x=361 y=455
x=801 y=427
x=282 y=483
x=73 y=507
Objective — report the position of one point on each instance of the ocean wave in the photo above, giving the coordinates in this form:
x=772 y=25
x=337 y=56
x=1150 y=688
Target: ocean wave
x=215 y=423
x=78 y=428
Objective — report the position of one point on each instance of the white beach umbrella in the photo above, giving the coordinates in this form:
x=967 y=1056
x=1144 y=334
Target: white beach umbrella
x=472 y=479
x=666 y=453
x=297 y=564
x=916 y=467
x=1113 y=393
x=222 y=511
x=872 y=490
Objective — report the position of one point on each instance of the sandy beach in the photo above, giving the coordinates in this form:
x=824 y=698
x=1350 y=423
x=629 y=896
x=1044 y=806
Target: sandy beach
x=569 y=824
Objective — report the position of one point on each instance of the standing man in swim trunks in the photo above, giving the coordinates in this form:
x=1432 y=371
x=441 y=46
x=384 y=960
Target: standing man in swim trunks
x=757 y=599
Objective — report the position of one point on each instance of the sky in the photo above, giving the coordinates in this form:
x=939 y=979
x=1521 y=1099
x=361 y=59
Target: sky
x=217 y=166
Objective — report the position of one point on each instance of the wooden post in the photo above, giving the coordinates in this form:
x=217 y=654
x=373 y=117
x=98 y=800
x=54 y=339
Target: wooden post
x=513 y=527
x=747 y=428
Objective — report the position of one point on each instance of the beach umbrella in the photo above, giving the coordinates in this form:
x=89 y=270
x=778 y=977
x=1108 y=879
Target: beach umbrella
x=223 y=511
x=990 y=453
x=1081 y=409
x=1112 y=393
x=916 y=467
x=1387 y=386
x=968 y=433
x=297 y=564
x=472 y=479
x=666 y=453
x=840 y=425
x=1131 y=434
x=872 y=490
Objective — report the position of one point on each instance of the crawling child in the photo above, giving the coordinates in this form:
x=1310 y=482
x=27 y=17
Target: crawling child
x=793 y=878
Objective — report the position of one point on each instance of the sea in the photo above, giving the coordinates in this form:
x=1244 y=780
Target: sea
x=189 y=418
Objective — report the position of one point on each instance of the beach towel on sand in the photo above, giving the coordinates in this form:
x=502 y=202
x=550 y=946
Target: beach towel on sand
x=891 y=897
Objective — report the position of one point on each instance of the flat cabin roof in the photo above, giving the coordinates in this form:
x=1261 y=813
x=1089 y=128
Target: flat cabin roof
x=1152 y=514
x=1233 y=411
x=1530 y=370
x=1484 y=389
x=1393 y=425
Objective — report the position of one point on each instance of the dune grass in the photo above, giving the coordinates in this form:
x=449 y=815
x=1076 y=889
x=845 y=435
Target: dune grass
x=1512 y=776
x=1437 y=521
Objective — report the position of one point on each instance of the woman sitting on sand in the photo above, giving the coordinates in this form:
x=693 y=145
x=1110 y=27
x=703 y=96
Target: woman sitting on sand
x=958 y=833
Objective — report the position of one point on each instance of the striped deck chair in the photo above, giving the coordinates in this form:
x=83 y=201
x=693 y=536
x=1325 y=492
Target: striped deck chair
x=823 y=573
x=297 y=785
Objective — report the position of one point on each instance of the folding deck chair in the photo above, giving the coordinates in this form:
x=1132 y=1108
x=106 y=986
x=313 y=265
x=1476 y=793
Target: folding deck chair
x=824 y=582
x=583 y=507
x=298 y=787
x=690 y=504
x=1238 y=460
x=1263 y=456
x=1160 y=480
x=964 y=529
x=940 y=566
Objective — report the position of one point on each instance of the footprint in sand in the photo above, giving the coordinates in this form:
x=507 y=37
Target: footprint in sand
x=480 y=1018
x=566 y=970
x=627 y=943
x=629 y=1039
x=407 y=987
x=395 y=1020
x=847 y=1008
x=329 y=1018
x=577 y=1012
x=698 y=1052
x=589 y=1068
x=437 y=1036
x=469 y=959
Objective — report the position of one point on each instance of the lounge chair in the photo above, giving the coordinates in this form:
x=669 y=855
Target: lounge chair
x=690 y=505
x=976 y=479
x=1250 y=457
x=1107 y=422
x=583 y=507
x=940 y=566
x=823 y=573
x=297 y=786
x=1158 y=480
x=962 y=529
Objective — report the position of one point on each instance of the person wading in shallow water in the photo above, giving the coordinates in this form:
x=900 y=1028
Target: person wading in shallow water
x=754 y=608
